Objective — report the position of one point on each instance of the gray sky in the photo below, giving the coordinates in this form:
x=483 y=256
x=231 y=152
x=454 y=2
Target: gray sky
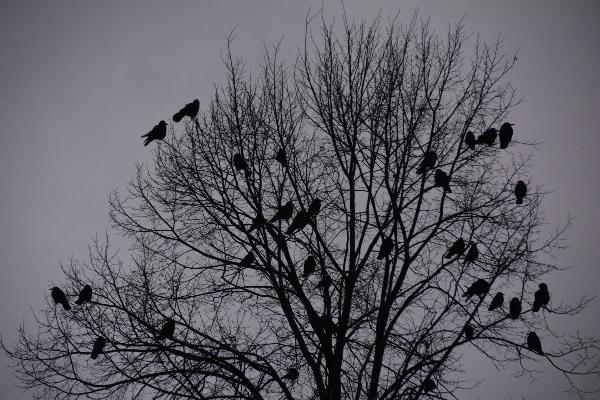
x=81 y=81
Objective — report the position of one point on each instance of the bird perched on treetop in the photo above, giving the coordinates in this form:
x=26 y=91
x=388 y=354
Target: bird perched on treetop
x=281 y=158
x=387 y=246
x=309 y=266
x=469 y=332
x=506 y=133
x=520 y=191
x=515 y=308
x=168 y=330
x=457 y=249
x=239 y=163
x=98 y=347
x=497 y=301
x=283 y=212
x=314 y=208
x=85 y=295
x=190 y=110
x=59 y=298
x=158 y=132
x=488 y=137
x=534 y=344
x=472 y=254
x=541 y=298
x=292 y=374
x=247 y=260
x=470 y=140
x=298 y=223
x=479 y=288
x=442 y=179
x=428 y=162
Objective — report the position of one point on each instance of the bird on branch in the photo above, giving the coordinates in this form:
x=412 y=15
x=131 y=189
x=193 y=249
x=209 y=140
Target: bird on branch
x=190 y=110
x=240 y=164
x=469 y=332
x=283 y=212
x=59 y=298
x=534 y=343
x=98 y=347
x=168 y=330
x=470 y=140
x=515 y=308
x=520 y=191
x=257 y=222
x=506 y=134
x=282 y=158
x=309 y=266
x=497 y=301
x=85 y=295
x=541 y=298
x=428 y=162
x=387 y=246
x=158 y=132
x=292 y=374
x=488 y=137
x=472 y=254
x=298 y=223
x=442 y=179
x=314 y=208
x=479 y=288
x=457 y=249
x=247 y=260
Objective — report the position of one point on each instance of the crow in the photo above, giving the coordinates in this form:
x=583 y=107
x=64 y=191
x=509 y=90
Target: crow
x=158 y=132
x=59 y=297
x=292 y=374
x=469 y=332
x=247 y=260
x=457 y=249
x=442 y=179
x=479 y=288
x=428 y=162
x=257 y=222
x=488 y=137
x=282 y=158
x=515 y=308
x=98 y=347
x=85 y=295
x=470 y=140
x=429 y=385
x=309 y=266
x=324 y=283
x=168 y=330
x=314 y=208
x=239 y=163
x=520 y=191
x=190 y=110
x=534 y=344
x=283 y=212
x=497 y=301
x=541 y=298
x=506 y=133
x=472 y=254
x=298 y=223
x=387 y=246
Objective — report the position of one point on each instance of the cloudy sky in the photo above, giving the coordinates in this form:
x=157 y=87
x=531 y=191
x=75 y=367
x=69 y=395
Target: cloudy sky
x=81 y=81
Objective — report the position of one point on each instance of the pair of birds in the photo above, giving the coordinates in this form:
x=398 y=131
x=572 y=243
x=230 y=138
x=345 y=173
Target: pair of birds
x=160 y=131
x=59 y=297
x=489 y=137
x=285 y=212
x=459 y=247
x=240 y=163
x=440 y=178
x=514 y=307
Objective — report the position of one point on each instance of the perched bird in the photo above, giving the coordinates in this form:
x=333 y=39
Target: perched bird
x=309 y=266
x=298 y=223
x=59 y=297
x=239 y=163
x=283 y=212
x=472 y=254
x=497 y=301
x=158 y=132
x=325 y=282
x=98 y=347
x=428 y=162
x=479 y=288
x=534 y=344
x=515 y=308
x=328 y=324
x=520 y=191
x=281 y=158
x=541 y=298
x=257 y=222
x=247 y=260
x=387 y=246
x=442 y=179
x=469 y=332
x=429 y=385
x=190 y=110
x=85 y=295
x=506 y=133
x=470 y=140
x=168 y=330
x=314 y=208
x=488 y=137
x=292 y=374
x=457 y=249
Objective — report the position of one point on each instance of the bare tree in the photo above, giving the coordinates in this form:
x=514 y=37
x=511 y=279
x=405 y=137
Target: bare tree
x=349 y=295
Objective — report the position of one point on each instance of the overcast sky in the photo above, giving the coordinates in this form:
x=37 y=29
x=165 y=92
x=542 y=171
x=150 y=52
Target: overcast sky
x=81 y=81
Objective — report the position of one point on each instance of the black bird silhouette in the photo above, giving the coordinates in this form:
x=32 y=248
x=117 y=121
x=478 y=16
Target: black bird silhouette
x=387 y=246
x=472 y=254
x=314 y=208
x=98 y=347
x=325 y=282
x=298 y=223
x=497 y=301
x=534 y=344
x=429 y=385
x=520 y=191
x=309 y=266
x=469 y=332
x=158 y=132
x=328 y=324
x=515 y=308
x=479 y=288
x=541 y=298
x=292 y=374
x=85 y=295
x=247 y=260
x=59 y=298
x=428 y=162
x=239 y=163
x=442 y=180
x=488 y=137
x=257 y=222
x=470 y=140
x=281 y=158
x=506 y=133
x=457 y=249
x=168 y=330
x=284 y=212
x=190 y=110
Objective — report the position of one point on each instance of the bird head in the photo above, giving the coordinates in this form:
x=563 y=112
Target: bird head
x=53 y=288
x=543 y=286
x=162 y=123
x=196 y=102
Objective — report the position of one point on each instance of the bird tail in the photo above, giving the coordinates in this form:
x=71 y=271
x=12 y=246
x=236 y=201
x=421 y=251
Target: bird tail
x=519 y=200
x=447 y=189
x=421 y=170
x=536 y=308
x=66 y=306
x=94 y=356
x=147 y=142
x=177 y=117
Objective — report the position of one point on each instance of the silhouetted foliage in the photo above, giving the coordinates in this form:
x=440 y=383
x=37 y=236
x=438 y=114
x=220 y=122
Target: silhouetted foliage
x=158 y=132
